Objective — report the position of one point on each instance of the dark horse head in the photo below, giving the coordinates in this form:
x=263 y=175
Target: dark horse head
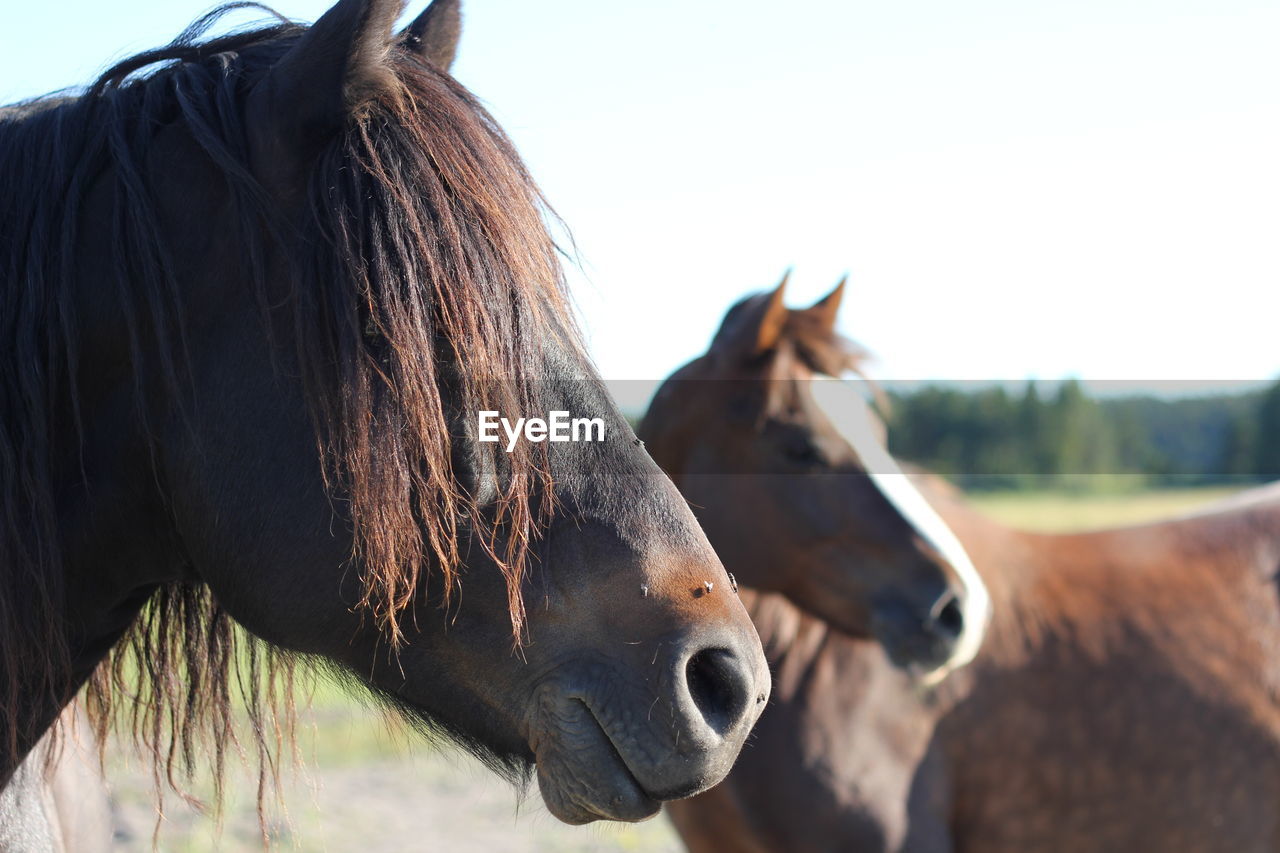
x=254 y=292
x=789 y=478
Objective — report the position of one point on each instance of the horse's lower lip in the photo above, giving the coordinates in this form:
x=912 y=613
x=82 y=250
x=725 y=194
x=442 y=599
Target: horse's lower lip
x=614 y=793
x=629 y=802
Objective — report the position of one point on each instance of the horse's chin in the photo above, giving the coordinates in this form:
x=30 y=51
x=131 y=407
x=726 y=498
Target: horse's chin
x=581 y=774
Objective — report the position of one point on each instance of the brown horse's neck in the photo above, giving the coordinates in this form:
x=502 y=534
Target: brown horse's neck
x=1175 y=585
x=1009 y=560
x=1176 y=588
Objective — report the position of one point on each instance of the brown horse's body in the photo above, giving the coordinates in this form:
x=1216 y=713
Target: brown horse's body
x=1127 y=698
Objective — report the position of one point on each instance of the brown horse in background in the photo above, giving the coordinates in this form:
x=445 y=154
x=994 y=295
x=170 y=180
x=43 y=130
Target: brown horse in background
x=1125 y=698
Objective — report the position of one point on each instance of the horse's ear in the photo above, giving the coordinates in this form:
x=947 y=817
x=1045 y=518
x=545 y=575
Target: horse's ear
x=773 y=317
x=754 y=326
x=434 y=34
x=333 y=69
x=827 y=309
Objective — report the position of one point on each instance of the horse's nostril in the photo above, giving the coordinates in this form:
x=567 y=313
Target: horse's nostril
x=720 y=687
x=948 y=616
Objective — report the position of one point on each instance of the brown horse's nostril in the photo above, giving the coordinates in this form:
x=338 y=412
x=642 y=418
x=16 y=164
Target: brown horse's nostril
x=921 y=631
x=720 y=686
x=947 y=618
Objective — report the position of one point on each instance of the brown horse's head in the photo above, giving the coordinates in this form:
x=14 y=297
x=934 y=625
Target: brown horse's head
x=791 y=483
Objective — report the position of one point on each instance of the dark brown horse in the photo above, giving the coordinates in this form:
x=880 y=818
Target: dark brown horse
x=254 y=291
x=1127 y=695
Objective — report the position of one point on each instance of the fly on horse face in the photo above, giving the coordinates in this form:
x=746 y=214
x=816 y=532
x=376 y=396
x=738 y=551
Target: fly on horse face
x=1126 y=697
x=254 y=290
x=788 y=503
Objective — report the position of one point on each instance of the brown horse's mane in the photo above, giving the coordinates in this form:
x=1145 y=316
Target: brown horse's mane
x=435 y=237
x=821 y=349
x=817 y=346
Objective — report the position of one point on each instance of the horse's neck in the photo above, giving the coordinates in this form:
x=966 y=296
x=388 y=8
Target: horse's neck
x=792 y=638
x=114 y=550
x=1090 y=590
x=810 y=659
x=783 y=627
x=115 y=541
x=1008 y=560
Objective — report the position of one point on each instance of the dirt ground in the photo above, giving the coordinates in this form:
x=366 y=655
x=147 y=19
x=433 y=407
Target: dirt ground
x=365 y=791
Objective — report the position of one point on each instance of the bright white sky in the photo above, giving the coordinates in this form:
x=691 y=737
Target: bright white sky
x=1018 y=189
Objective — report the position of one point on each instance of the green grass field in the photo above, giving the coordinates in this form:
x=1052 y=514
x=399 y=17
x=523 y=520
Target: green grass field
x=368 y=786
x=1052 y=512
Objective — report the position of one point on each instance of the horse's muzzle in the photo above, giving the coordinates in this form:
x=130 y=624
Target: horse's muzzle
x=919 y=635
x=611 y=745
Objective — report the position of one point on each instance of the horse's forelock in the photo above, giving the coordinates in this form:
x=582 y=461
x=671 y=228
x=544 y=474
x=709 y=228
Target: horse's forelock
x=428 y=213
x=821 y=348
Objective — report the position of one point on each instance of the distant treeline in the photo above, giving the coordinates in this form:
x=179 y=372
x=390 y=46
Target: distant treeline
x=1062 y=437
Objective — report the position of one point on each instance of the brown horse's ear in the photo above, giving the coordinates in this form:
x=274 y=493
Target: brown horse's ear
x=434 y=34
x=334 y=68
x=773 y=318
x=755 y=325
x=826 y=309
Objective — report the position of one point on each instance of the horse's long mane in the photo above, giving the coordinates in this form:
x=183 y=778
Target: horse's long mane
x=425 y=246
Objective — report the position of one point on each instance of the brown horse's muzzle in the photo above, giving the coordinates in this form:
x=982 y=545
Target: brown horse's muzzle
x=922 y=633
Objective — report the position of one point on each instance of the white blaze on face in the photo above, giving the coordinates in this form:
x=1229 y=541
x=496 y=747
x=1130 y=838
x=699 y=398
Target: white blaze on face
x=843 y=404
